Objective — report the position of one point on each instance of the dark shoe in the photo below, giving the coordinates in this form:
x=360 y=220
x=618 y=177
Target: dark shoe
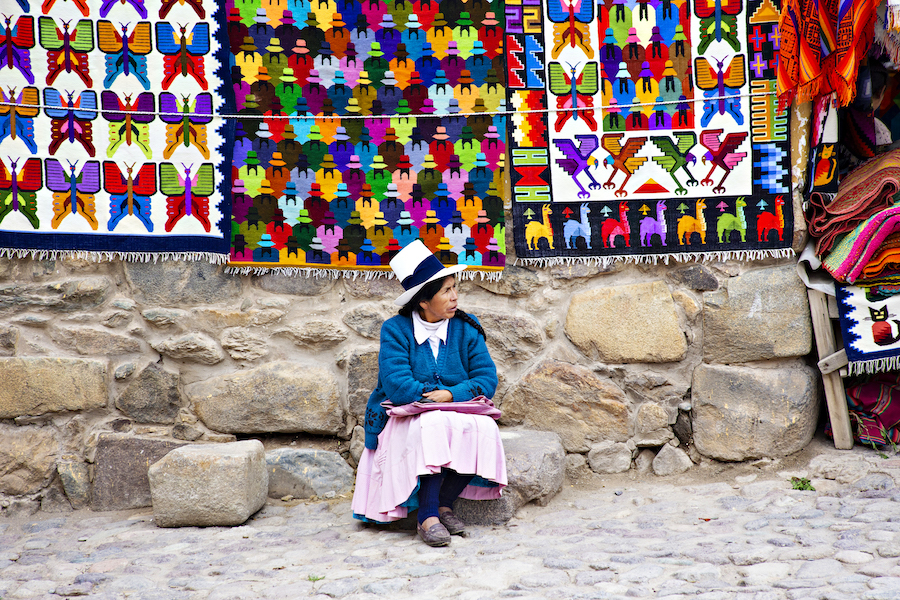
x=453 y=523
x=436 y=535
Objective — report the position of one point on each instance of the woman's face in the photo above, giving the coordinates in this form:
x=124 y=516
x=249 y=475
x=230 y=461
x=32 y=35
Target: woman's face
x=443 y=304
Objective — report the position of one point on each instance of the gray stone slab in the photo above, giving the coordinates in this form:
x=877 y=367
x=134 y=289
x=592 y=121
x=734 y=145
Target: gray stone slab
x=741 y=413
x=535 y=466
x=303 y=473
x=120 y=470
x=760 y=315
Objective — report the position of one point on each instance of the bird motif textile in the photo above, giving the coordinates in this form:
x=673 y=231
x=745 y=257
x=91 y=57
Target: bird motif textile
x=646 y=128
x=88 y=165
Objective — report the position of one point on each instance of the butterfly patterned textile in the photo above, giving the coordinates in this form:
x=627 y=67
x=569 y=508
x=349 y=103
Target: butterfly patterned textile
x=666 y=140
x=108 y=142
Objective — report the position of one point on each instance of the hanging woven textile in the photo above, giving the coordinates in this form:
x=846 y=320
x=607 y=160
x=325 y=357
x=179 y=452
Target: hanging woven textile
x=109 y=143
x=822 y=44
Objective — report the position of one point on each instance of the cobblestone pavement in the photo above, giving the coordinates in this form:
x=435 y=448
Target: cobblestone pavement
x=720 y=532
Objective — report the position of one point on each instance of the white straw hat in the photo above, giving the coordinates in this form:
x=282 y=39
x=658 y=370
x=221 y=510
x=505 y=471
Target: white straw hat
x=415 y=266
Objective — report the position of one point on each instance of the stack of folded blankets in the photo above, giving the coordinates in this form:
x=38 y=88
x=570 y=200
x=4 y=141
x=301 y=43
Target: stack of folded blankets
x=858 y=230
x=857 y=235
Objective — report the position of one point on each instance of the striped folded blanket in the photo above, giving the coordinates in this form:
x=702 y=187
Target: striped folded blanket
x=885 y=262
x=865 y=191
x=854 y=251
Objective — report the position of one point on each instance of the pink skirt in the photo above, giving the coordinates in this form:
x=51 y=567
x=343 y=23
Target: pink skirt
x=422 y=445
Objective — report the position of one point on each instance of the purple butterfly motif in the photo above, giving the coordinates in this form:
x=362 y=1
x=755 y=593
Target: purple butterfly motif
x=73 y=189
x=15 y=42
x=138 y=5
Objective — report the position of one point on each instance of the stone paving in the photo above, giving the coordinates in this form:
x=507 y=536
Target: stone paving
x=718 y=533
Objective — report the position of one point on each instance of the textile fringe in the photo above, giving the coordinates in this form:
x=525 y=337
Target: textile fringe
x=653 y=259
x=110 y=255
x=887 y=34
x=348 y=273
x=878 y=365
x=892 y=14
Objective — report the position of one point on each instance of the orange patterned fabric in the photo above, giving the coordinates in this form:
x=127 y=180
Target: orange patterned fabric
x=822 y=44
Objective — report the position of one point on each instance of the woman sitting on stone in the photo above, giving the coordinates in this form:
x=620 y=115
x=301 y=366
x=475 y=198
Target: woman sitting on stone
x=431 y=352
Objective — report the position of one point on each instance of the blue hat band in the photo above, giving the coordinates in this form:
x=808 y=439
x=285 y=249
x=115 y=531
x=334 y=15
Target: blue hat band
x=425 y=271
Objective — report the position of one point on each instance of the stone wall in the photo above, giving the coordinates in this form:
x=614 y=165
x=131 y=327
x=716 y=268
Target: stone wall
x=107 y=366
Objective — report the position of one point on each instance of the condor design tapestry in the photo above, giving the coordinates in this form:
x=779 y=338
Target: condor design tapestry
x=108 y=145
x=364 y=126
x=646 y=129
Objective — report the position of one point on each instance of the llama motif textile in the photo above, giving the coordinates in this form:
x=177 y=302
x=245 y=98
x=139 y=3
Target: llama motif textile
x=646 y=129
x=108 y=144
x=870 y=326
x=365 y=126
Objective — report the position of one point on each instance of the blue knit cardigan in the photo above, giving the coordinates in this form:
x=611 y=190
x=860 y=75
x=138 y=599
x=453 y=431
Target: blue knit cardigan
x=406 y=370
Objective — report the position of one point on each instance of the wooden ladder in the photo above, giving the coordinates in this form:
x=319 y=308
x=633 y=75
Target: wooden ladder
x=832 y=363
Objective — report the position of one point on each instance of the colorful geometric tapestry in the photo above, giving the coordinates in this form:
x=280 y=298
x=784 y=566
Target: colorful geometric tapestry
x=870 y=326
x=633 y=159
x=108 y=145
x=344 y=155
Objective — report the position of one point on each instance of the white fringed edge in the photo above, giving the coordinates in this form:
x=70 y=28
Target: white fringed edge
x=887 y=33
x=878 y=365
x=892 y=15
x=348 y=273
x=110 y=255
x=654 y=259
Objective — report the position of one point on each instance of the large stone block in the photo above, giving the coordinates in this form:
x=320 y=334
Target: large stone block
x=63 y=296
x=209 y=484
x=535 y=469
x=510 y=337
x=571 y=401
x=760 y=315
x=741 y=413
x=304 y=473
x=181 y=282
x=362 y=377
x=634 y=323
x=34 y=386
x=153 y=396
x=120 y=470
x=281 y=396
x=27 y=458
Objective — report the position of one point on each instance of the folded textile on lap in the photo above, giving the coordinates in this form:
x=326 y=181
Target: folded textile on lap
x=850 y=256
x=479 y=405
x=865 y=191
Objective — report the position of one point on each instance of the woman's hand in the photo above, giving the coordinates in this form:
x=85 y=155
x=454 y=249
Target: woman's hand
x=438 y=396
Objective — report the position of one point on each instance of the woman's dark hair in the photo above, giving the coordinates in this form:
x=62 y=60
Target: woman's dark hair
x=426 y=293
